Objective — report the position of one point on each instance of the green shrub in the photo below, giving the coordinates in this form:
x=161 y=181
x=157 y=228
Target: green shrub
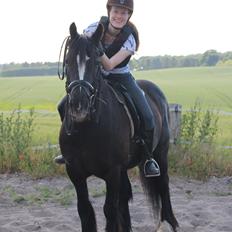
x=42 y=164
x=15 y=139
x=200 y=162
x=198 y=127
x=196 y=155
x=17 y=153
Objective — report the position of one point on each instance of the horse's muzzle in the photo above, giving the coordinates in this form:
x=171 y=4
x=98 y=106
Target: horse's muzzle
x=80 y=100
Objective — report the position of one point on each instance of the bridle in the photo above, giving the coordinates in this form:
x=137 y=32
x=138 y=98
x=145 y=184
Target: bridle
x=90 y=91
x=66 y=42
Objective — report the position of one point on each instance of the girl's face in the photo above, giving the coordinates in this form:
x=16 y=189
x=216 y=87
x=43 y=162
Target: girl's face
x=118 y=16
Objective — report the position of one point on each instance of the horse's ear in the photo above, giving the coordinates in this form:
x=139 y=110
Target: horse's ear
x=98 y=34
x=73 y=31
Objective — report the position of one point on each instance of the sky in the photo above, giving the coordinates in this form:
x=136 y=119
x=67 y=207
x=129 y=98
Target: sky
x=33 y=30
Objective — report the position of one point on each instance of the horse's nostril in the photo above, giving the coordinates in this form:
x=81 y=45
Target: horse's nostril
x=79 y=106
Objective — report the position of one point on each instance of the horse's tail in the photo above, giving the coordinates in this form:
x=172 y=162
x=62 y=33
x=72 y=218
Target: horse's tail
x=157 y=188
x=154 y=187
x=151 y=189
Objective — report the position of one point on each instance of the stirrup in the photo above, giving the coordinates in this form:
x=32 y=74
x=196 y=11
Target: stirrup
x=59 y=159
x=155 y=169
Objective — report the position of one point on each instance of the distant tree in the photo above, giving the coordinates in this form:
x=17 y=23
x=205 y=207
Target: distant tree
x=157 y=62
x=25 y=65
x=225 y=63
x=210 y=58
x=227 y=56
x=190 y=61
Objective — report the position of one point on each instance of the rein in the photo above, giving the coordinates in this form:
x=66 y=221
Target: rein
x=66 y=42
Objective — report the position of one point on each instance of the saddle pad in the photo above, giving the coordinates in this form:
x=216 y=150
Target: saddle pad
x=119 y=96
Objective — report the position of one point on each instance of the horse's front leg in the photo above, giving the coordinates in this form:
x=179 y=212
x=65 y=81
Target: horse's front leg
x=84 y=207
x=111 y=207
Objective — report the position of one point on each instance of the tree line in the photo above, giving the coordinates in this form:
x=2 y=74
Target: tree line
x=208 y=58
x=28 y=69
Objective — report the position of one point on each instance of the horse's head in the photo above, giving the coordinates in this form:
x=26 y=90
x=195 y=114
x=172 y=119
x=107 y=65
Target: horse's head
x=82 y=70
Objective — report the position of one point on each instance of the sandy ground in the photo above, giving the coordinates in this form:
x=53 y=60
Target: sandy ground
x=49 y=205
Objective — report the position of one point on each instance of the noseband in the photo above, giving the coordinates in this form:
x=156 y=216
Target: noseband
x=80 y=83
x=88 y=89
x=91 y=94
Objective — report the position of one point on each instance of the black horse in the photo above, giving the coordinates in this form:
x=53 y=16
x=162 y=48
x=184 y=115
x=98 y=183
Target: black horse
x=95 y=139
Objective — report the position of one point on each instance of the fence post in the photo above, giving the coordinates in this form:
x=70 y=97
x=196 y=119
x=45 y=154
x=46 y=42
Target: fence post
x=175 y=121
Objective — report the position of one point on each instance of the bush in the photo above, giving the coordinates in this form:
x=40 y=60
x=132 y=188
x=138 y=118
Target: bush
x=15 y=139
x=201 y=162
x=195 y=155
x=198 y=127
x=42 y=164
x=17 y=153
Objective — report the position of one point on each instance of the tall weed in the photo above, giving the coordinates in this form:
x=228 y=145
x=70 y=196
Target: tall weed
x=42 y=164
x=196 y=155
x=17 y=153
x=15 y=139
x=198 y=127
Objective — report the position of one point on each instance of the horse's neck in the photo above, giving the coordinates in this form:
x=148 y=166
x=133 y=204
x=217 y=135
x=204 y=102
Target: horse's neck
x=108 y=101
x=104 y=94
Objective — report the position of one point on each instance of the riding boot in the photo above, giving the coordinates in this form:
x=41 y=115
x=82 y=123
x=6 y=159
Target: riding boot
x=151 y=167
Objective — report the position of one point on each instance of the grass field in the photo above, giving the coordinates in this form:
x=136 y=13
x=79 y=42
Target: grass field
x=42 y=93
x=212 y=86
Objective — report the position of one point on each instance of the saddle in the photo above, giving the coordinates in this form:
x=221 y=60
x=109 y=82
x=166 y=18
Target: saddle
x=125 y=99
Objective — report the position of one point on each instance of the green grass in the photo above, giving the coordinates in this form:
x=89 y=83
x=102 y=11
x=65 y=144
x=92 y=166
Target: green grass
x=225 y=130
x=47 y=128
x=211 y=85
x=42 y=195
x=42 y=93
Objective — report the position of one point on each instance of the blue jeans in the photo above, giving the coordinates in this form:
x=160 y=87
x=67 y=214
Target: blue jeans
x=138 y=97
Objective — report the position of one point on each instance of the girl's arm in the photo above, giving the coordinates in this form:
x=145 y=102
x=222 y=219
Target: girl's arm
x=110 y=63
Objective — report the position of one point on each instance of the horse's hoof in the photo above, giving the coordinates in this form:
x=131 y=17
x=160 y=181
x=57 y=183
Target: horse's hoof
x=165 y=227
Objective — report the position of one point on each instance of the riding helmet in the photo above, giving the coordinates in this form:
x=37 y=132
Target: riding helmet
x=128 y=4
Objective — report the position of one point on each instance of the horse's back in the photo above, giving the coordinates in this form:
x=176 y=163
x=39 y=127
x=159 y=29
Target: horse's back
x=152 y=90
x=155 y=95
x=159 y=107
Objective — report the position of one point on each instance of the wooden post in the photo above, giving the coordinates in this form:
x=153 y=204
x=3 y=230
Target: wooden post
x=175 y=121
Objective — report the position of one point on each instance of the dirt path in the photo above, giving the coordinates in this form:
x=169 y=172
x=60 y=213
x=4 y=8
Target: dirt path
x=49 y=205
